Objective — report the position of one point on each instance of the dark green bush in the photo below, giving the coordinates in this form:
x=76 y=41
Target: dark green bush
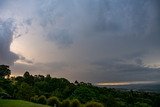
x=42 y=99
x=52 y=101
x=75 y=103
x=34 y=99
x=65 y=103
x=4 y=95
x=93 y=104
x=138 y=104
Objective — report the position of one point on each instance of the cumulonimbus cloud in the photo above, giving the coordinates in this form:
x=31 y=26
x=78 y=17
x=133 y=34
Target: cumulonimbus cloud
x=7 y=33
x=7 y=29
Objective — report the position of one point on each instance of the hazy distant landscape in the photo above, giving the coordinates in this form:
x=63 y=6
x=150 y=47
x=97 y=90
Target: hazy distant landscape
x=141 y=87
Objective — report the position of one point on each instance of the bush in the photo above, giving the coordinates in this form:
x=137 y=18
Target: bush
x=138 y=104
x=34 y=99
x=93 y=104
x=42 y=99
x=2 y=90
x=65 y=103
x=4 y=95
x=53 y=101
x=75 y=103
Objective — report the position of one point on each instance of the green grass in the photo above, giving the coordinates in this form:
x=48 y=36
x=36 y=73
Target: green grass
x=19 y=103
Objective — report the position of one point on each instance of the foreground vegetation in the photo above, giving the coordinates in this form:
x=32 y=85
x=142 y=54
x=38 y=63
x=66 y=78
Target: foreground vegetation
x=60 y=92
x=19 y=103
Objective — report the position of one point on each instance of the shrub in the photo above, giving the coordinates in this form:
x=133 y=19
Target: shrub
x=2 y=90
x=4 y=95
x=65 y=103
x=34 y=99
x=42 y=99
x=53 y=101
x=138 y=104
x=75 y=103
x=93 y=104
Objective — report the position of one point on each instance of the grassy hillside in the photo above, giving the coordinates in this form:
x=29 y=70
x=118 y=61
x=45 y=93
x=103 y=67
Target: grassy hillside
x=19 y=103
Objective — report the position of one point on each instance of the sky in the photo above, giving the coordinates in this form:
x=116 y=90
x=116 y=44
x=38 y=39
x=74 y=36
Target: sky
x=93 y=41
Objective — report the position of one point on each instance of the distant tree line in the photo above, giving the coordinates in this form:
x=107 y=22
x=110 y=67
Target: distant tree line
x=60 y=92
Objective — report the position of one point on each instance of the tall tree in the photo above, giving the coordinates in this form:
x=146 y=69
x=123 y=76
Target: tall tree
x=4 y=71
x=29 y=79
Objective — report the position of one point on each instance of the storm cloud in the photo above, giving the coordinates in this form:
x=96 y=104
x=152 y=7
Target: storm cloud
x=92 y=40
x=7 y=29
x=8 y=32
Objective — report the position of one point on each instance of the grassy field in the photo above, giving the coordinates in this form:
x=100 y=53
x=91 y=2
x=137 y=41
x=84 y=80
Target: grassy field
x=19 y=103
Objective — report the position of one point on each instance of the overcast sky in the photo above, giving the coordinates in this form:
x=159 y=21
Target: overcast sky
x=85 y=40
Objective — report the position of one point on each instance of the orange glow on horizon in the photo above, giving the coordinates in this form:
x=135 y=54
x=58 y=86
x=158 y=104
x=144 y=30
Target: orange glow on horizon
x=124 y=83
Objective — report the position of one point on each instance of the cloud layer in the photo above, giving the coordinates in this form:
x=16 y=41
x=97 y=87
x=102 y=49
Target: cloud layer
x=92 y=40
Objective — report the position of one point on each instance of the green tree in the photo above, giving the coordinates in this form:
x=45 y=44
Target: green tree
x=53 y=101
x=75 y=103
x=84 y=94
x=138 y=104
x=111 y=101
x=47 y=78
x=42 y=99
x=29 y=79
x=156 y=101
x=19 y=79
x=65 y=103
x=24 y=92
x=7 y=86
x=4 y=71
x=34 y=99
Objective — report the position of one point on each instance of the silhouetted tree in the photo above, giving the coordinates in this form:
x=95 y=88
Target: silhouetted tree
x=26 y=74
x=4 y=71
x=28 y=78
x=76 y=82
x=48 y=78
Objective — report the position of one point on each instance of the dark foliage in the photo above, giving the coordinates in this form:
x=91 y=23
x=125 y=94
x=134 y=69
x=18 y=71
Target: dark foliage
x=53 y=101
x=75 y=103
x=56 y=90
x=4 y=95
x=94 y=104
x=65 y=103
x=4 y=71
x=42 y=99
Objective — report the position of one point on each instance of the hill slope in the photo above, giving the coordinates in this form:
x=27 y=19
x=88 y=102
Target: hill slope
x=19 y=103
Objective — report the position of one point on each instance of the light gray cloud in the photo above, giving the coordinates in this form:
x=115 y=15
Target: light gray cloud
x=23 y=59
x=61 y=38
